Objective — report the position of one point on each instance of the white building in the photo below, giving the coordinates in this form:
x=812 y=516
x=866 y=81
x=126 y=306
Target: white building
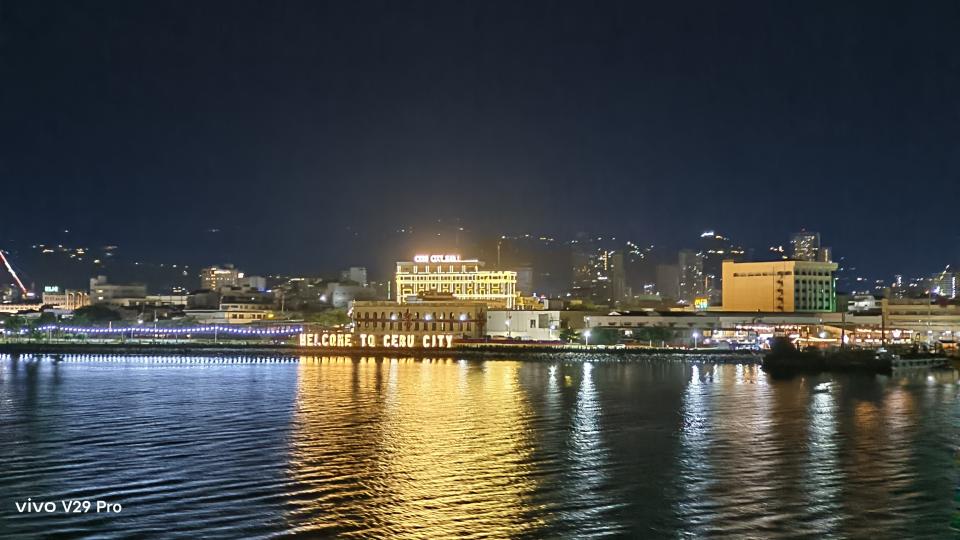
x=231 y=314
x=537 y=325
x=129 y=294
x=863 y=303
x=65 y=299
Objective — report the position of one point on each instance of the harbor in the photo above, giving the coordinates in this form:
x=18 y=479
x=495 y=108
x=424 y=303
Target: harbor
x=252 y=441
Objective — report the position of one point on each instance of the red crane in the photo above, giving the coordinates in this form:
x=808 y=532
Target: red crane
x=13 y=273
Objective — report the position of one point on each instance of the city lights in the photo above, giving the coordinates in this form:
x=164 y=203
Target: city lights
x=142 y=330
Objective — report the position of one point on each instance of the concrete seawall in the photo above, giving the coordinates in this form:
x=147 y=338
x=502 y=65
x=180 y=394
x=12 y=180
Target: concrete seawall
x=470 y=350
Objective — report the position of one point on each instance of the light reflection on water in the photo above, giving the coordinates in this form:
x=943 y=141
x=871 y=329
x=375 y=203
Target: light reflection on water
x=395 y=447
x=404 y=448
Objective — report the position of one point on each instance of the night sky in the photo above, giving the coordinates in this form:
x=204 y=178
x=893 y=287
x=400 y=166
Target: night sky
x=311 y=129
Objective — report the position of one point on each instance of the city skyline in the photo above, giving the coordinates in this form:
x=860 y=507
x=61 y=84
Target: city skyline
x=855 y=279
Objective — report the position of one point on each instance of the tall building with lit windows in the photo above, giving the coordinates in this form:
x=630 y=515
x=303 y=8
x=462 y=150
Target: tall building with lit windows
x=464 y=279
x=714 y=249
x=805 y=246
x=692 y=281
x=215 y=277
x=944 y=284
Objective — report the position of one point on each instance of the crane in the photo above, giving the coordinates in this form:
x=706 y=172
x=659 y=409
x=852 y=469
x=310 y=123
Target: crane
x=6 y=263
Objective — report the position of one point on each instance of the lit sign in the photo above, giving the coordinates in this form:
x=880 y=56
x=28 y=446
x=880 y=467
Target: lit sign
x=337 y=340
x=51 y=289
x=701 y=304
x=436 y=258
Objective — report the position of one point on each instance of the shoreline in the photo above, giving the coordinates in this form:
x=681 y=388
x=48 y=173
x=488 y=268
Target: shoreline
x=469 y=351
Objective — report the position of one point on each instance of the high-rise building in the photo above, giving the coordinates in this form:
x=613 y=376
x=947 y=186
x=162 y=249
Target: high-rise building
x=692 y=283
x=464 y=279
x=214 y=277
x=668 y=281
x=944 y=284
x=618 y=277
x=600 y=275
x=805 y=246
x=779 y=286
x=714 y=249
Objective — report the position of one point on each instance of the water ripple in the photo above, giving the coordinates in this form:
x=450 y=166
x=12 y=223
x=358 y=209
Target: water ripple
x=401 y=448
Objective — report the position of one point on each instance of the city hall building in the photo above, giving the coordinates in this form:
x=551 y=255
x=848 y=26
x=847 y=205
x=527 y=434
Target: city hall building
x=465 y=279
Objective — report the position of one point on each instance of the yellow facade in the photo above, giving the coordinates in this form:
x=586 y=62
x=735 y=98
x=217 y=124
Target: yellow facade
x=464 y=279
x=779 y=286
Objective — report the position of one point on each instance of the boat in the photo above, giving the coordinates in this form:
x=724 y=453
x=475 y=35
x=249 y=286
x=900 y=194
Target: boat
x=785 y=358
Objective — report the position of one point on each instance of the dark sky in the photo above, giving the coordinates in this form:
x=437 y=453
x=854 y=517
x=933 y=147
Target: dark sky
x=310 y=128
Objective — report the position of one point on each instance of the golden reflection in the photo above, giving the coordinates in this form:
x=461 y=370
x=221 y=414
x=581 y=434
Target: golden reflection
x=879 y=463
x=434 y=445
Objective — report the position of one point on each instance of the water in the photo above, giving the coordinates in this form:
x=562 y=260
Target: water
x=311 y=447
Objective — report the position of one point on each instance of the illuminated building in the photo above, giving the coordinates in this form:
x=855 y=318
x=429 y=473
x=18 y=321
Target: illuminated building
x=215 y=277
x=102 y=292
x=805 y=246
x=944 y=284
x=234 y=313
x=170 y=300
x=539 y=325
x=863 y=303
x=464 y=279
x=67 y=299
x=714 y=249
x=19 y=308
x=929 y=321
x=779 y=286
x=599 y=274
x=692 y=280
x=463 y=319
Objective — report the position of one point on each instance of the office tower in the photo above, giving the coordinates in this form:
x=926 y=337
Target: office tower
x=804 y=246
x=692 y=284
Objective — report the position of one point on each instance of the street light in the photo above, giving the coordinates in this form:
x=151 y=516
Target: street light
x=586 y=337
x=696 y=335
